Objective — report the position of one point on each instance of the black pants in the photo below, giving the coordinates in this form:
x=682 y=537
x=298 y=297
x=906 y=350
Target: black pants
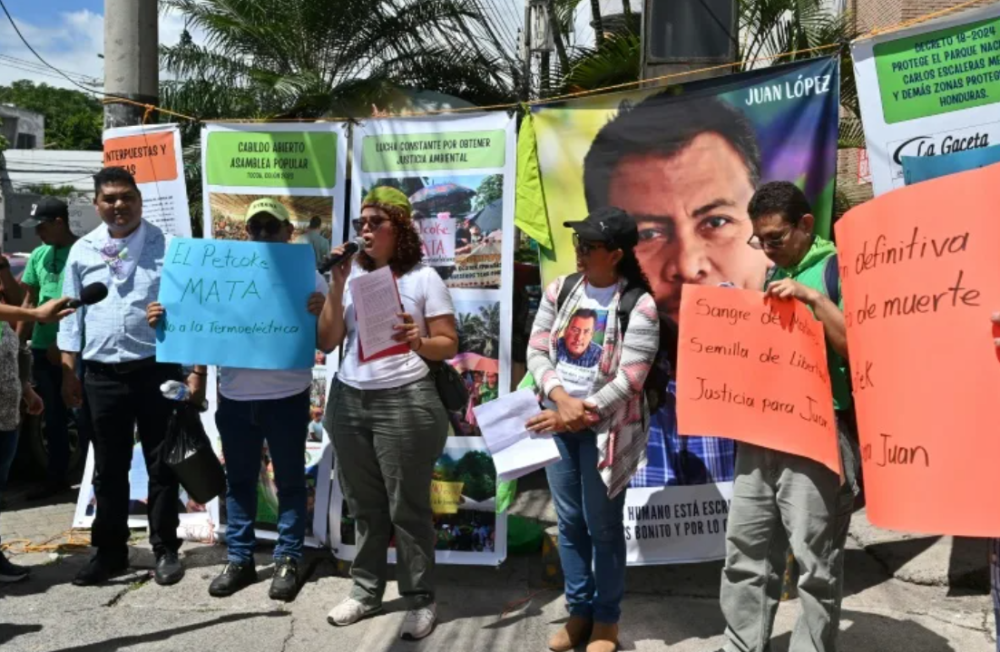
x=121 y=398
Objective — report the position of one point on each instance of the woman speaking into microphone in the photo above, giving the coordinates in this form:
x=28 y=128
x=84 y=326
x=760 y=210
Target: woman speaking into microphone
x=386 y=419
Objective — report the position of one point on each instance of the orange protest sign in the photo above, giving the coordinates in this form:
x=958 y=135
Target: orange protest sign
x=149 y=157
x=920 y=275
x=754 y=370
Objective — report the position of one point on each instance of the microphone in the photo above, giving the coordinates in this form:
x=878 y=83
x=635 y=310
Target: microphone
x=89 y=295
x=331 y=261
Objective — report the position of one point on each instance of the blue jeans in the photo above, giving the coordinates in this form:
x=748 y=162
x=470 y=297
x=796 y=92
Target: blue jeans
x=243 y=427
x=591 y=530
x=8 y=448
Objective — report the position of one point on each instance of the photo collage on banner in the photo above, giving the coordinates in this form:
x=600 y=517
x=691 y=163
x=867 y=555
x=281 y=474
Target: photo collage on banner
x=685 y=162
x=458 y=173
x=152 y=154
x=303 y=167
x=929 y=90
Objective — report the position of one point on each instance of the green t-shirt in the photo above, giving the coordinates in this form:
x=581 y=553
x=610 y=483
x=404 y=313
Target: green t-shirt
x=44 y=273
x=811 y=272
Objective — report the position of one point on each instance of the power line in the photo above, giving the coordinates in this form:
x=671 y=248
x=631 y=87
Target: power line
x=34 y=71
x=38 y=56
x=25 y=62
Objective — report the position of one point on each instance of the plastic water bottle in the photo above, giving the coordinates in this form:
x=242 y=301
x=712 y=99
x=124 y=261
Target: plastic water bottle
x=175 y=390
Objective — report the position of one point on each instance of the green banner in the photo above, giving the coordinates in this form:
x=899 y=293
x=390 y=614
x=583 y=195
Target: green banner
x=939 y=72
x=465 y=150
x=283 y=159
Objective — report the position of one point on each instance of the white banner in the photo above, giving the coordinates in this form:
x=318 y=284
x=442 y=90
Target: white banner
x=928 y=90
x=685 y=524
x=152 y=153
x=458 y=172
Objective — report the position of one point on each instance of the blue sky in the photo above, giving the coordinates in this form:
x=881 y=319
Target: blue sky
x=69 y=34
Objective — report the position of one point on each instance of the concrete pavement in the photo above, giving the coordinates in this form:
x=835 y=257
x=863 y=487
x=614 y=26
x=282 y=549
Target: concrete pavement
x=897 y=598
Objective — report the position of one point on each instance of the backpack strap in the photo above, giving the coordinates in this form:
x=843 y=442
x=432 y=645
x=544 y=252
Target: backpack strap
x=569 y=283
x=626 y=305
x=831 y=279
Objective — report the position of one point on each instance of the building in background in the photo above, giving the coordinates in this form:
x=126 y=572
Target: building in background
x=26 y=174
x=23 y=129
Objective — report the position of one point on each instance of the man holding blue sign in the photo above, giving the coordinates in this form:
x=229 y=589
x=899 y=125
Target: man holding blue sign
x=267 y=402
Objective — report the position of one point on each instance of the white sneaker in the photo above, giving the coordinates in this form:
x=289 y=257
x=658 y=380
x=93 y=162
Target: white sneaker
x=349 y=612
x=419 y=623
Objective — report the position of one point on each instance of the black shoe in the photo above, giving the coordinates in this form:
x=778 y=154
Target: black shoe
x=233 y=578
x=285 y=583
x=47 y=491
x=99 y=570
x=10 y=573
x=169 y=569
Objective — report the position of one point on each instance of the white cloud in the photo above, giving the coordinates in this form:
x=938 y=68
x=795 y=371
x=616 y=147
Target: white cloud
x=71 y=42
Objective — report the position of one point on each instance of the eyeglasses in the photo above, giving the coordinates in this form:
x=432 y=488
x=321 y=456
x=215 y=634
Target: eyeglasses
x=270 y=227
x=373 y=223
x=586 y=247
x=774 y=242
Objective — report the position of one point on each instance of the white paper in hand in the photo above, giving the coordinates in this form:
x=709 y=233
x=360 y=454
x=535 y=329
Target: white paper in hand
x=376 y=304
x=516 y=451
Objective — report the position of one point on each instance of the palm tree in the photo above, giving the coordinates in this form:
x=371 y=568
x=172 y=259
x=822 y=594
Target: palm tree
x=306 y=58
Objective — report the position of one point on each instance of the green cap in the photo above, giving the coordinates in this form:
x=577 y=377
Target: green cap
x=269 y=206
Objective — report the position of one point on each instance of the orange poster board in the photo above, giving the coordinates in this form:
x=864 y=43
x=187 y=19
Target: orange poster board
x=754 y=370
x=920 y=275
x=149 y=157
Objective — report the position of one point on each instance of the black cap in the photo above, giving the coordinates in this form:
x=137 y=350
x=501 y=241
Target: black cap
x=610 y=225
x=46 y=210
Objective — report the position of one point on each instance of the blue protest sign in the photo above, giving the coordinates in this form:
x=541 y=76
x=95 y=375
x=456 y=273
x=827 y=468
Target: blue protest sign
x=925 y=168
x=237 y=304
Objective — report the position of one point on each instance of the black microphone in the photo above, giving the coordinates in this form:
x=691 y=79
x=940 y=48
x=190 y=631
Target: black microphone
x=350 y=248
x=89 y=295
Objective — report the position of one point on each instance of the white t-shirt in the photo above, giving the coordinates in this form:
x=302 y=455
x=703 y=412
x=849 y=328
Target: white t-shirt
x=581 y=343
x=266 y=384
x=424 y=295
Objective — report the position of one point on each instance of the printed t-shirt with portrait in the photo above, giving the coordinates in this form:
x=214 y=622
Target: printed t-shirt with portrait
x=237 y=384
x=581 y=343
x=424 y=296
x=44 y=273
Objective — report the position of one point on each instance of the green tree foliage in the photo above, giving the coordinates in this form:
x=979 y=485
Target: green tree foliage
x=480 y=333
x=490 y=190
x=73 y=119
x=476 y=470
x=306 y=58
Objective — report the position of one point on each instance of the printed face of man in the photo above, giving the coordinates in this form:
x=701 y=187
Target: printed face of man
x=579 y=334
x=692 y=215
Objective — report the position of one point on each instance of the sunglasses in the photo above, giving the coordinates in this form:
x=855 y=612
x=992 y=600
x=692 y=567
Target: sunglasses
x=373 y=223
x=270 y=227
x=585 y=247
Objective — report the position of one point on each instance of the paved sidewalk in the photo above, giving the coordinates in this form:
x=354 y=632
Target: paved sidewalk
x=509 y=608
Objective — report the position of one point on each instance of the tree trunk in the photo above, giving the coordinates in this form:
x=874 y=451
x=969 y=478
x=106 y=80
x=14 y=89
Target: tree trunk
x=595 y=14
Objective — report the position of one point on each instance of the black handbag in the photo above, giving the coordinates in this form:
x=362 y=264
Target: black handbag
x=190 y=455
x=450 y=386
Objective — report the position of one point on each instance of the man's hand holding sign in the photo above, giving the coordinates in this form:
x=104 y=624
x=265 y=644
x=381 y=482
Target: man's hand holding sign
x=752 y=367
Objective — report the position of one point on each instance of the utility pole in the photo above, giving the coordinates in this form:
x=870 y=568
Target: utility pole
x=131 y=59
x=526 y=56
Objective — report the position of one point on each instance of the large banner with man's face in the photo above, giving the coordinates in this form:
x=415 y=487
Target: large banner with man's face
x=684 y=162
